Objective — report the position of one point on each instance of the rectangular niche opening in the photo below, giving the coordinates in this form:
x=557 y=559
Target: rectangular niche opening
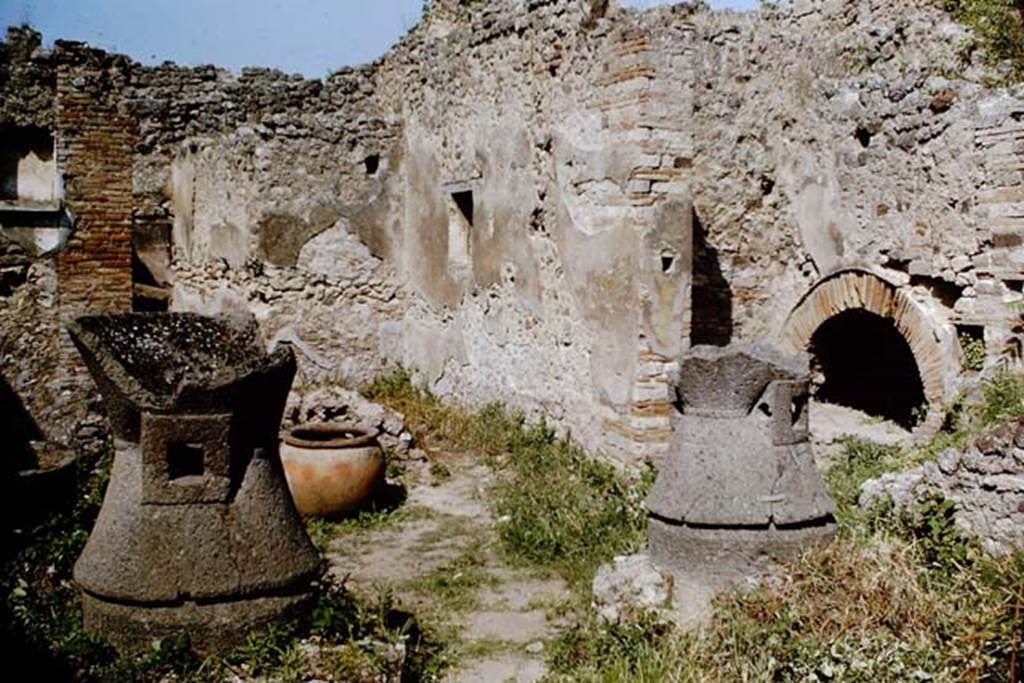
x=798 y=409
x=460 y=222
x=151 y=267
x=185 y=462
x=372 y=164
x=28 y=169
x=464 y=201
x=972 y=345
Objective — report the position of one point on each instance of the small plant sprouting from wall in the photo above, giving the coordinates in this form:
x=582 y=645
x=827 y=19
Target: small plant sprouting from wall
x=972 y=349
x=998 y=26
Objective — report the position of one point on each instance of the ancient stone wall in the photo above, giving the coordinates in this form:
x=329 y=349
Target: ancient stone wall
x=27 y=79
x=837 y=136
x=51 y=279
x=563 y=286
x=985 y=480
x=257 y=180
x=546 y=202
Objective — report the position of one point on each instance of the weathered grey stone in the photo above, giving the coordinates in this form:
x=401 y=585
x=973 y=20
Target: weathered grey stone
x=328 y=403
x=985 y=481
x=197 y=533
x=641 y=181
x=738 y=487
x=631 y=584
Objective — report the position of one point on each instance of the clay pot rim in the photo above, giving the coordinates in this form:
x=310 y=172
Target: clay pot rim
x=359 y=437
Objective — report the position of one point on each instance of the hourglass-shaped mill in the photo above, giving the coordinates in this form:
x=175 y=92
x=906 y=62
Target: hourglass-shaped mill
x=738 y=487
x=197 y=533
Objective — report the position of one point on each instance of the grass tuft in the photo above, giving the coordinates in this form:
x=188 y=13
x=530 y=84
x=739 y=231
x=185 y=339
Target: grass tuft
x=558 y=508
x=998 y=26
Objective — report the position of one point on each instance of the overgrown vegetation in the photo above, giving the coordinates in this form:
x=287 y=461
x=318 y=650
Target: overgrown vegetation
x=564 y=510
x=998 y=26
x=898 y=596
x=851 y=611
x=558 y=509
x=41 y=621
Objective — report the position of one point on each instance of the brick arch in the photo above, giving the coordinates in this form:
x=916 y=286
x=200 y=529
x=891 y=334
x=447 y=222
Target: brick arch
x=858 y=289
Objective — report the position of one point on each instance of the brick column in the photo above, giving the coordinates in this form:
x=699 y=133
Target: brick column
x=999 y=209
x=95 y=145
x=645 y=97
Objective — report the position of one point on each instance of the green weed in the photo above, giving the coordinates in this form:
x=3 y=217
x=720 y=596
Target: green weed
x=998 y=26
x=1003 y=400
x=454 y=585
x=972 y=351
x=558 y=508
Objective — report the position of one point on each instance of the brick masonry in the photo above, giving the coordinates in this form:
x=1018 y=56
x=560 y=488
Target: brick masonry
x=95 y=153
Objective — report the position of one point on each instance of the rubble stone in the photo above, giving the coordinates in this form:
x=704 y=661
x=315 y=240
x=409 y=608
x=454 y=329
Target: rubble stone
x=985 y=481
x=631 y=585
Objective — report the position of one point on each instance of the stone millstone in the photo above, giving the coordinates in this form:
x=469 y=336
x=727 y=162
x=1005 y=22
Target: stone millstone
x=738 y=488
x=197 y=533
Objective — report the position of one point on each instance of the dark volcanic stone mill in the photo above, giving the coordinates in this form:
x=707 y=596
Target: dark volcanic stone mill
x=197 y=533
x=738 y=488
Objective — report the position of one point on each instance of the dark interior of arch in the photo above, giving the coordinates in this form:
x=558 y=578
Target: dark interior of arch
x=868 y=365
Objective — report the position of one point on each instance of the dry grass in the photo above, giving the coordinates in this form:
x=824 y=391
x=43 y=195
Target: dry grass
x=892 y=599
x=856 y=610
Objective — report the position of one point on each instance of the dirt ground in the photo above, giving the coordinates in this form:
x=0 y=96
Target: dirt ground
x=438 y=555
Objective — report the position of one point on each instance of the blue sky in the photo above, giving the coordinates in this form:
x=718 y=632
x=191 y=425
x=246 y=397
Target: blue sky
x=303 y=36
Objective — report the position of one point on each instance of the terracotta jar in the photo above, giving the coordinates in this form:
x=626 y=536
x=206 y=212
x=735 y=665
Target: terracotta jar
x=332 y=469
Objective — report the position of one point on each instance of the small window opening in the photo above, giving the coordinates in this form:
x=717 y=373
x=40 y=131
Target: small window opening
x=798 y=408
x=460 y=222
x=28 y=171
x=372 y=164
x=863 y=136
x=464 y=202
x=1015 y=285
x=668 y=262
x=185 y=460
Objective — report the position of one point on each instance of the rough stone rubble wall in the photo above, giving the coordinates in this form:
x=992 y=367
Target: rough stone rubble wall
x=576 y=163
x=622 y=167
x=256 y=181
x=850 y=135
x=45 y=391
x=984 y=480
x=558 y=302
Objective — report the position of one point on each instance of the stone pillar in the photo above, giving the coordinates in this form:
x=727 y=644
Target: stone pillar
x=999 y=207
